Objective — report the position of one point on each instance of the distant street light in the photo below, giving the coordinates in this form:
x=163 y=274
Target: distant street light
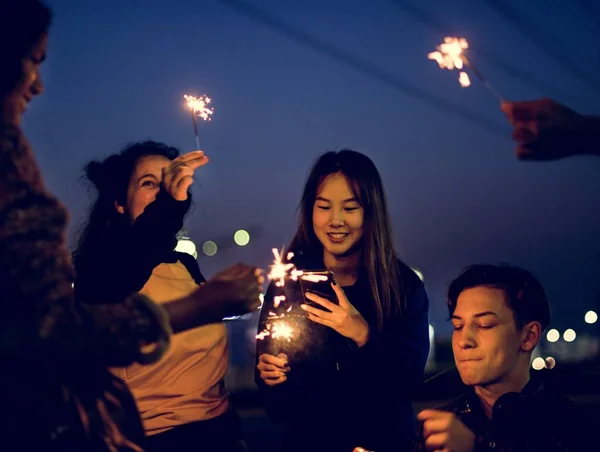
x=241 y=237
x=591 y=317
x=209 y=248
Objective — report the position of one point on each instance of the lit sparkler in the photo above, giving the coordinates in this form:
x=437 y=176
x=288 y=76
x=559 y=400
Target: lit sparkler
x=200 y=109
x=280 y=270
x=277 y=328
x=451 y=55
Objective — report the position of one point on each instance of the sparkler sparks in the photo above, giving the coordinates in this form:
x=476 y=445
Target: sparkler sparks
x=281 y=330
x=280 y=270
x=277 y=328
x=199 y=108
x=464 y=80
x=451 y=55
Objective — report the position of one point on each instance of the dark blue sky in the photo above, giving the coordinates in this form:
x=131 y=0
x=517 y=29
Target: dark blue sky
x=117 y=72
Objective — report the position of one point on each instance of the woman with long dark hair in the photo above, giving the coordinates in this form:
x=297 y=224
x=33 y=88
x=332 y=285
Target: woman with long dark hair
x=128 y=245
x=370 y=339
x=55 y=387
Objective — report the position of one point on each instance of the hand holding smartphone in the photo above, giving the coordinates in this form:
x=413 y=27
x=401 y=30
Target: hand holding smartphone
x=319 y=283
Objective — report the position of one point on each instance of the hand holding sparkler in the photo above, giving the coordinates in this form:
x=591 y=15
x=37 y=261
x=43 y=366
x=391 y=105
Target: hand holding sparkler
x=342 y=317
x=547 y=130
x=233 y=291
x=178 y=176
x=238 y=289
x=273 y=369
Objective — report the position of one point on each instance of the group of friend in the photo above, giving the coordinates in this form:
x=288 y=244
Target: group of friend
x=120 y=346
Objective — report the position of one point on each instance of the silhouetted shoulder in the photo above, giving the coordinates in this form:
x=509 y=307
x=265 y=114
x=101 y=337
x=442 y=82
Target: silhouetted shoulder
x=409 y=279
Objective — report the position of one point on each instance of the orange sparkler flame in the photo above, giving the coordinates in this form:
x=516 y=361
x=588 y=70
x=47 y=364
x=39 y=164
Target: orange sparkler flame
x=280 y=271
x=281 y=330
x=199 y=105
x=464 y=80
x=449 y=54
x=277 y=329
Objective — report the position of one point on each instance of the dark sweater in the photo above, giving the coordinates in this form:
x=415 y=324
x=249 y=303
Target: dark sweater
x=56 y=350
x=121 y=260
x=339 y=396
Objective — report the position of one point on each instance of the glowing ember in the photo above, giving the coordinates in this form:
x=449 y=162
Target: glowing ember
x=449 y=54
x=280 y=271
x=281 y=330
x=464 y=80
x=199 y=105
x=277 y=328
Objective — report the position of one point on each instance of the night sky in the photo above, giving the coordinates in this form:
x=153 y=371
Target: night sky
x=117 y=72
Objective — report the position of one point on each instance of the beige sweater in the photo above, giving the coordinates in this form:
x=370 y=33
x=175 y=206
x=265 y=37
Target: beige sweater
x=187 y=384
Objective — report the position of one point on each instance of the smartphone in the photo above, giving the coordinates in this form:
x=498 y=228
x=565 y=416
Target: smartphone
x=319 y=283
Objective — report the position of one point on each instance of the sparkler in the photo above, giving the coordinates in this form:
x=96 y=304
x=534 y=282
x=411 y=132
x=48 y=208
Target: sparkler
x=280 y=272
x=199 y=108
x=451 y=55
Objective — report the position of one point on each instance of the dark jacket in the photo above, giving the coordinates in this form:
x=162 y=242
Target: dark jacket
x=338 y=396
x=121 y=262
x=537 y=419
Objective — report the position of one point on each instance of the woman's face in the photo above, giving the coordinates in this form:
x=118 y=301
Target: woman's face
x=144 y=185
x=28 y=84
x=338 y=217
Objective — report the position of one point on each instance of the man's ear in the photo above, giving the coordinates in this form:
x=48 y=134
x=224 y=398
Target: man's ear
x=531 y=336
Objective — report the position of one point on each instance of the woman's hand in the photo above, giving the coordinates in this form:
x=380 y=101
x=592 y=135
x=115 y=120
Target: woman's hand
x=178 y=176
x=343 y=318
x=233 y=291
x=273 y=369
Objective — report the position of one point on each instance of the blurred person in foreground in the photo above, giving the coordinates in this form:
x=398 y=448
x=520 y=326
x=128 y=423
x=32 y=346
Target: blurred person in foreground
x=546 y=130
x=55 y=388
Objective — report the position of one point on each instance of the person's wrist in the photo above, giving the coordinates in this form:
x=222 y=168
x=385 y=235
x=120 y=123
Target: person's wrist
x=362 y=337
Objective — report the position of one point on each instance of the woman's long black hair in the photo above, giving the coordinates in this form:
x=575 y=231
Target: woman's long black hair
x=379 y=258
x=110 y=180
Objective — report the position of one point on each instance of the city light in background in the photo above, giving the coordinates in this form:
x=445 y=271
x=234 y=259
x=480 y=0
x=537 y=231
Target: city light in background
x=209 y=248
x=569 y=335
x=241 y=237
x=591 y=317
x=540 y=363
x=553 y=335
